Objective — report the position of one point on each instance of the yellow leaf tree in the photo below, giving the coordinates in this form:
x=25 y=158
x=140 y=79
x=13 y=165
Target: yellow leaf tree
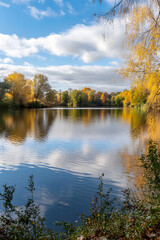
x=21 y=89
x=142 y=63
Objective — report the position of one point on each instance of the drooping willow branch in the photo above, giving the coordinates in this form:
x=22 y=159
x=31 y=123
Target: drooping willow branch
x=122 y=7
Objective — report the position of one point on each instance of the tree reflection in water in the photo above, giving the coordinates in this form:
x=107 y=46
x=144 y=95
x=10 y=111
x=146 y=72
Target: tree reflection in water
x=17 y=126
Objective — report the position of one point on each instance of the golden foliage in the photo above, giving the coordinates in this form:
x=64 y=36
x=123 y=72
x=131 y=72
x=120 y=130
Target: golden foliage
x=21 y=89
x=142 y=63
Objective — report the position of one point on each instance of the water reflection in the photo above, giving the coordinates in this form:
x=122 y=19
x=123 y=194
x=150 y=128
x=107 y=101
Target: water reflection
x=60 y=195
x=86 y=135
x=67 y=149
x=18 y=125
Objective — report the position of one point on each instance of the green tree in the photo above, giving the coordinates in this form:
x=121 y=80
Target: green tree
x=91 y=96
x=119 y=100
x=98 y=98
x=59 y=97
x=4 y=87
x=76 y=98
x=84 y=99
x=65 y=98
x=51 y=97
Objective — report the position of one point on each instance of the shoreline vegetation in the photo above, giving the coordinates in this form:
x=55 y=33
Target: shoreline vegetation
x=136 y=216
x=18 y=92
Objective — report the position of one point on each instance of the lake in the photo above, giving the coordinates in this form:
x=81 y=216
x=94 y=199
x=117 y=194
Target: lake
x=67 y=150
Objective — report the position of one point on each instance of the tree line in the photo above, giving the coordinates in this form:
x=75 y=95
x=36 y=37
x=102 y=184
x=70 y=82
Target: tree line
x=135 y=97
x=17 y=91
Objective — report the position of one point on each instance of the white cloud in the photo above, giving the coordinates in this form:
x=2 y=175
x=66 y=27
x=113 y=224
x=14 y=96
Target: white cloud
x=84 y=42
x=59 y=2
x=12 y=46
x=71 y=9
x=62 y=13
x=39 y=14
x=27 y=64
x=64 y=77
x=4 y=4
x=114 y=63
x=6 y=60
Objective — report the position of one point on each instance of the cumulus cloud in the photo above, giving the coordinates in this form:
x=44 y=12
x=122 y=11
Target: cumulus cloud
x=6 y=60
x=84 y=42
x=13 y=46
x=67 y=76
x=4 y=4
x=39 y=14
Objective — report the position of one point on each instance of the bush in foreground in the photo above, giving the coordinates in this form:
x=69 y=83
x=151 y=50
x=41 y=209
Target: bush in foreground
x=137 y=218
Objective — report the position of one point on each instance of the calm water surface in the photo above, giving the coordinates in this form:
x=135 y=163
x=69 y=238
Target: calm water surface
x=67 y=149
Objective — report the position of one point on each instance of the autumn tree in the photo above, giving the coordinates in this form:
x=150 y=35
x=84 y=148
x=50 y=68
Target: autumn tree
x=28 y=92
x=126 y=97
x=91 y=96
x=86 y=89
x=41 y=87
x=59 y=97
x=139 y=95
x=142 y=61
x=16 y=82
x=21 y=89
x=104 y=98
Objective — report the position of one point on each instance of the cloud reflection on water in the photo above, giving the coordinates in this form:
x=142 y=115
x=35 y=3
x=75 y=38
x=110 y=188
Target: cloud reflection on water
x=67 y=150
x=60 y=139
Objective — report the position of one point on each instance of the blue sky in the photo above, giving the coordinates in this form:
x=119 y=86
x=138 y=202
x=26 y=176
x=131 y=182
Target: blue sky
x=63 y=40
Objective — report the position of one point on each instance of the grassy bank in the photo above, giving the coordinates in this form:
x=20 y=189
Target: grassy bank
x=138 y=217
